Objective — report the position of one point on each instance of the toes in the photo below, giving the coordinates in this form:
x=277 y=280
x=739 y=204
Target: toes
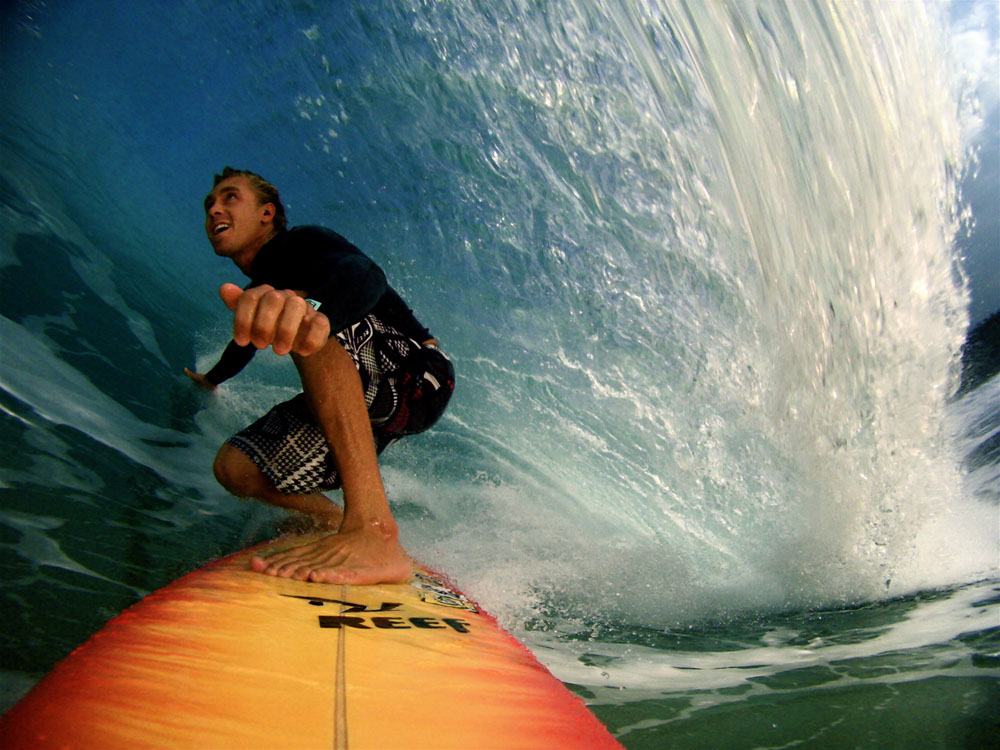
x=333 y=575
x=273 y=565
x=289 y=569
x=267 y=565
x=293 y=565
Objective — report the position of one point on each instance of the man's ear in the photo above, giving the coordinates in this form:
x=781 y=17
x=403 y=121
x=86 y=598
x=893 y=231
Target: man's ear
x=267 y=215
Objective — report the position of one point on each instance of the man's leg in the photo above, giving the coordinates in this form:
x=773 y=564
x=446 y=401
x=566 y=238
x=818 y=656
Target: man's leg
x=366 y=549
x=243 y=478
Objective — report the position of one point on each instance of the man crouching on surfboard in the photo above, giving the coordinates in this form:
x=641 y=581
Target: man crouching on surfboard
x=379 y=377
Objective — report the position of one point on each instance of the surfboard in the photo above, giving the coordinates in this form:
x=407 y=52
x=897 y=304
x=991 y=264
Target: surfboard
x=228 y=658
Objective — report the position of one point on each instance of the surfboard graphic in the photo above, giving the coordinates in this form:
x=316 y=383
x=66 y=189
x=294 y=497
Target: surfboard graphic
x=228 y=658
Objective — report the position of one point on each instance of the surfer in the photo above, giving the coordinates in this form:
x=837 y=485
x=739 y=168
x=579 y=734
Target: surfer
x=370 y=373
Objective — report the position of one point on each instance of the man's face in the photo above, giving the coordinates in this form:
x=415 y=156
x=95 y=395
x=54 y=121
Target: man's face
x=234 y=220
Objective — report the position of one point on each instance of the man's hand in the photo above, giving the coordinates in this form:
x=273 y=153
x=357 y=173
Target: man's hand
x=200 y=379
x=281 y=319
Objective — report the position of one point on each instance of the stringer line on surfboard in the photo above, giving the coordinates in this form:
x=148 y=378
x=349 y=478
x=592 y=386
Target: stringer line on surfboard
x=340 y=710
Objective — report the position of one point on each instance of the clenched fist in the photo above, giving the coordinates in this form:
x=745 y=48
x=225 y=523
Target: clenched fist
x=281 y=319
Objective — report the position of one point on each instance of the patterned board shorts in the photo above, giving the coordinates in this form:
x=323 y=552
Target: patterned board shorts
x=407 y=387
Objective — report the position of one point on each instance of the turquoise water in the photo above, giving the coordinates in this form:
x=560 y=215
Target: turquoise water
x=697 y=265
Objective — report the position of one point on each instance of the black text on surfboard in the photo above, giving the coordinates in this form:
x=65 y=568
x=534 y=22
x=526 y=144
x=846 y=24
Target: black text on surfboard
x=393 y=623
x=319 y=601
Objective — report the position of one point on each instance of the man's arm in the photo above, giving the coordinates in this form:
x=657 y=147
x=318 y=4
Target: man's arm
x=234 y=358
x=264 y=318
x=200 y=379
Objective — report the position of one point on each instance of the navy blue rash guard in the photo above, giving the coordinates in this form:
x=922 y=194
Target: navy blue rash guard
x=341 y=282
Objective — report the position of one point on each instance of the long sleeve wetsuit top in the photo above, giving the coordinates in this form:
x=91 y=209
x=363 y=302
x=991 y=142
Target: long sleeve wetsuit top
x=338 y=280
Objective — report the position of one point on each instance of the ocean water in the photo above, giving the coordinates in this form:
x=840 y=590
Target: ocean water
x=698 y=267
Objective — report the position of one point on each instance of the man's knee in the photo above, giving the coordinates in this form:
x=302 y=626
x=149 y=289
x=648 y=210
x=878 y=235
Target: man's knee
x=237 y=473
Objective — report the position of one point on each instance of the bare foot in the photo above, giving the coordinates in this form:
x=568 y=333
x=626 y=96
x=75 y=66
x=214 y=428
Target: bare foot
x=366 y=555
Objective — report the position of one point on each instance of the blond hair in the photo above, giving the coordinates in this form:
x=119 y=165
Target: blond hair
x=264 y=190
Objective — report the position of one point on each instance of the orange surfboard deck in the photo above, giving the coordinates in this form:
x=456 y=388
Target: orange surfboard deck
x=228 y=658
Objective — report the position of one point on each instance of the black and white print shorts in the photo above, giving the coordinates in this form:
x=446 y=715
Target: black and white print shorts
x=407 y=387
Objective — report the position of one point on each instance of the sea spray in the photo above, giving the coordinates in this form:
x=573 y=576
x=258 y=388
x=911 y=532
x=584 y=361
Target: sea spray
x=716 y=241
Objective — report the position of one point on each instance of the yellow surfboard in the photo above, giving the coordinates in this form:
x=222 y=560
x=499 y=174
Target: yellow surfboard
x=228 y=658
